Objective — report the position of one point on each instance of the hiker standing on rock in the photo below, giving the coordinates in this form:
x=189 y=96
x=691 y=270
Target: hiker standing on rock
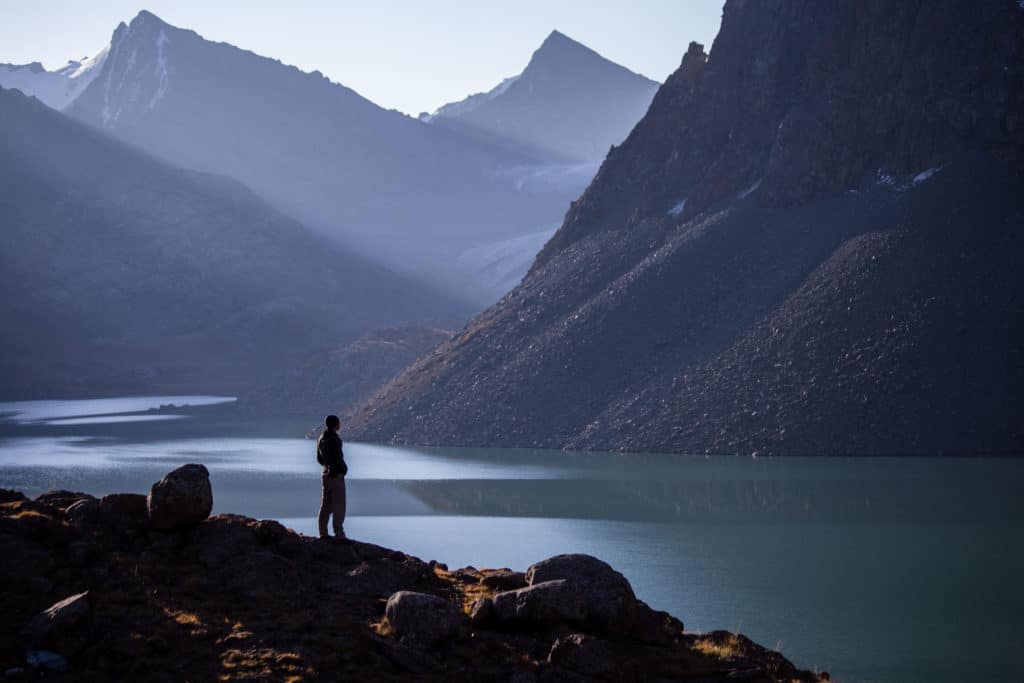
x=332 y=499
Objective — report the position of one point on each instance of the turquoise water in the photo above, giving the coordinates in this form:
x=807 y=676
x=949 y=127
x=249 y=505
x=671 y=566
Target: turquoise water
x=878 y=570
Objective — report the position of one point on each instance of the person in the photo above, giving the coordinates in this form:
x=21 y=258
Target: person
x=329 y=453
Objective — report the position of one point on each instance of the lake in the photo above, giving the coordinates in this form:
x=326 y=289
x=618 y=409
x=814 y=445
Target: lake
x=879 y=570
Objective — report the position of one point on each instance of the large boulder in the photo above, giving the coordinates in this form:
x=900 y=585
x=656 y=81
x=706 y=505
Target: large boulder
x=181 y=499
x=549 y=602
x=609 y=598
x=427 y=618
x=55 y=622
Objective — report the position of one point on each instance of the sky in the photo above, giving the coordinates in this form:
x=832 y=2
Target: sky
x=405 y=55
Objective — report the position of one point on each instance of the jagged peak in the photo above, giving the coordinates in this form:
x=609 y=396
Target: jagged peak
x=558 y=44
x=145 y=16
x=558 y=48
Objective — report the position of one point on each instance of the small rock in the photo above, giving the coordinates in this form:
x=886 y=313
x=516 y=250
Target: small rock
x=427 y=618
x=54 y=622
x=549 y=602
x=182 y=498
x=44 y=659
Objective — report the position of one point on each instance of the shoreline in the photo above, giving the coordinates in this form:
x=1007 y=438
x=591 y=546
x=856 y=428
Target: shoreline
x=236 y=598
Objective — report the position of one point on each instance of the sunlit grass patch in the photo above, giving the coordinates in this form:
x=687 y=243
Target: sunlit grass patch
x=726 y=648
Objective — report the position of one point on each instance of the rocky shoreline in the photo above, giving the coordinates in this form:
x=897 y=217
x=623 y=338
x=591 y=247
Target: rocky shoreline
x=153 y=588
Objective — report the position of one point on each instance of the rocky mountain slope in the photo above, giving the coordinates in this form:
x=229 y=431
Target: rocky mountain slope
x=569 y=101
x=343 y=376
x=406 y=194
x=810 y=244
x=120 y=273
x=152 y=589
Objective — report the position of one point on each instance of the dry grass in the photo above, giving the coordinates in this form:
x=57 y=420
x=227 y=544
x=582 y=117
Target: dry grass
x=730 y=647
x=469 y=591
x=184 y=618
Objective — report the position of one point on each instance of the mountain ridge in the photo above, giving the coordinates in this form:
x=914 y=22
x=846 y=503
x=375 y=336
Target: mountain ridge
x=122 y=273
x=807 y=246
x=393 y=189
x=554 y=104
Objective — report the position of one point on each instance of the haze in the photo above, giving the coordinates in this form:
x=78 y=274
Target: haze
x=430 y=53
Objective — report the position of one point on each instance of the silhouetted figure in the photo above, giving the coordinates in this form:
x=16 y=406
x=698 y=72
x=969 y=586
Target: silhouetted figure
x=332 y=499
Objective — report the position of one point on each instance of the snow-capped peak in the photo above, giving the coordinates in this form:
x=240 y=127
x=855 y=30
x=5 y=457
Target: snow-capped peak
x=57 y=88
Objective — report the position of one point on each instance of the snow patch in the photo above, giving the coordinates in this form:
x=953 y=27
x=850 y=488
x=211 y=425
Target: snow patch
x=928 y=173
x=161 y=69
x=750 y=190
x=906 y=182
x=677 y=208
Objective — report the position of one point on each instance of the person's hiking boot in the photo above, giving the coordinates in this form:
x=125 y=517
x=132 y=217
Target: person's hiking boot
x=341 y=540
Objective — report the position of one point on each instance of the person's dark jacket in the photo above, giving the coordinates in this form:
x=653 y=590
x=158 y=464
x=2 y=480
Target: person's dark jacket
x=330 y=454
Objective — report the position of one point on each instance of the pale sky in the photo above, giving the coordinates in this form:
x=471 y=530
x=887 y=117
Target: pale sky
x=411 y=56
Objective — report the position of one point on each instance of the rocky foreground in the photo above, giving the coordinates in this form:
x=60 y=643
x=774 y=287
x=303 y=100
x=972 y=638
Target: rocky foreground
x=130 y=587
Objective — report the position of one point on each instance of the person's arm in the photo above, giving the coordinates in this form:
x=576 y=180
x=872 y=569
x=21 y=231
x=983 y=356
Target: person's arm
x=341 y=457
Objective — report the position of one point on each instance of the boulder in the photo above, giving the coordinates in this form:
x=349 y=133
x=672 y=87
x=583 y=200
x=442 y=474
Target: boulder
x=62 y=499
x=123 y=512
x=592 y=657
x=84 y=512
x=482 y=611
x=11 y=496
x=503 y=580
x=606 y=593
x=181 y=499
x=426 y=618
x=54 y=623
x=548 y=602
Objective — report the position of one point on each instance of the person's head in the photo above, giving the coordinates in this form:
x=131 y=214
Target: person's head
x=332 y=423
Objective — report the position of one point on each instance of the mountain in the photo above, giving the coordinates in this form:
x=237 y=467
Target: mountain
x=344 y=375
x=57 y=88
x=121 y=273
x=569 y=101
x=398 y=191
x=811 y=244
